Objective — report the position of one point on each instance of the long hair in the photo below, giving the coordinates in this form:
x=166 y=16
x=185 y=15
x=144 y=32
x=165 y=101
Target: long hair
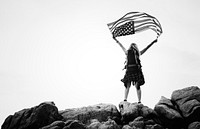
x=134 y=46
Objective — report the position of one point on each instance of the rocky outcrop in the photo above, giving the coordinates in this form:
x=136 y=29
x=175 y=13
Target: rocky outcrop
x=109 y=124
x=69 y=124
x=101 y=112
x=168 y=113
x=188 y=102
x=33 y=118
x=194 y=125
x=181 y=111
x=134 y=115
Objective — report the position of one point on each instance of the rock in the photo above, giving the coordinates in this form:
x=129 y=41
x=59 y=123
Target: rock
x=150 y=114
x=138 y=116
x=143 y=123
x=130 y=111
x=194 y=125
x=138 y=123
x=168 y=115
x=55 y=124
x=101 y=112
x=156 y=126
x=128 y=127
x=182 y=111
x=33 y=118
x=188 y=102
x=94 y=124
x=74 y=124
x=149 y=127
x=110 y=124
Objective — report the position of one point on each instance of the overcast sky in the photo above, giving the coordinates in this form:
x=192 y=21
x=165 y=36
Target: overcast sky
x=62 y=51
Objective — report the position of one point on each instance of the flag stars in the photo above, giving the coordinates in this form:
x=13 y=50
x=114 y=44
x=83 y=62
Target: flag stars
x=126 y=29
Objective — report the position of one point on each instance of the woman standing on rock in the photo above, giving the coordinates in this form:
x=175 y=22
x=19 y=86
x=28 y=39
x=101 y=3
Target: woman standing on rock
x=133 y=66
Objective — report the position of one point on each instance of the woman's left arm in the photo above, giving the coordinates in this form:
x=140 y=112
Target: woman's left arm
x=145 y=49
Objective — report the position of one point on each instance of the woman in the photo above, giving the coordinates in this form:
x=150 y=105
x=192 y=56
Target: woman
x=133 y=66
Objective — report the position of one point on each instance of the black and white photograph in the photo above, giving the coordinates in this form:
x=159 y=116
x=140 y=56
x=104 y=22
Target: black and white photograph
x=99 y=64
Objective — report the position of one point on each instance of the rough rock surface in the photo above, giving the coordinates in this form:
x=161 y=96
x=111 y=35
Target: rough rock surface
x=101 y=112
x=74 y=124
x=194 y=125
x=137 y=115
x=110 y=124
x=33 y=118
x=188 y=102
x=168 y=113
x=182 y=111
x=55 y=124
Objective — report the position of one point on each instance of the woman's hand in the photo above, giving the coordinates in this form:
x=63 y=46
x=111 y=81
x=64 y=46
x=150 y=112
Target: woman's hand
x=116 y=40
x=156 y=40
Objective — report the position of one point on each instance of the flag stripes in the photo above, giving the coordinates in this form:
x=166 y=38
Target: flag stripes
x=134 y=22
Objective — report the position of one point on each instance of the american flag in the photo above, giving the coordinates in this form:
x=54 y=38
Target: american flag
x=134 y=22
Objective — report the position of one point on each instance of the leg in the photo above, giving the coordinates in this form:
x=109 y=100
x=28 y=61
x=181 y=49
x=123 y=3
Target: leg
x=138 y=92
x=127 y=90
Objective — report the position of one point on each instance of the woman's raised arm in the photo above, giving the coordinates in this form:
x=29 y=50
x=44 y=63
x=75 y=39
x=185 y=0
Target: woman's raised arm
x=146 y=48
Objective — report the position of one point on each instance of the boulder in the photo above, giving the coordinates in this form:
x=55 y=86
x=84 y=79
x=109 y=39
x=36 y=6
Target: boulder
x=130 y=111
x=137 y=123
x=110 y=124
x=128 y=127
x=55 y=124
x=95 y=124
x=188 y=102
x=194 y=125
x=101 y=112
x=168 y=114
x=33 y=118
x=70 y=124
x=182 y=111
x=74 y=124
x=156 y=126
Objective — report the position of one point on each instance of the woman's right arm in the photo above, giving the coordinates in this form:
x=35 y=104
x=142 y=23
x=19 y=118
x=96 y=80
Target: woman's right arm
x=123 y=48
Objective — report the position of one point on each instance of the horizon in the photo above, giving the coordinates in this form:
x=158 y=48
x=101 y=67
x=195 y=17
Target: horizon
x=63 y=51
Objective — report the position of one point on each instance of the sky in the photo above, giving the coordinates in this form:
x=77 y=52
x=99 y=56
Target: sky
x=63 y=51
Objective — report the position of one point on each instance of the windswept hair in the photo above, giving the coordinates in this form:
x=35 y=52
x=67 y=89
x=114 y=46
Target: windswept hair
x=134 y=46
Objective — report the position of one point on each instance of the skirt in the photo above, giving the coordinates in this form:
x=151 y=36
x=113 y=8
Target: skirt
x=133 y=74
